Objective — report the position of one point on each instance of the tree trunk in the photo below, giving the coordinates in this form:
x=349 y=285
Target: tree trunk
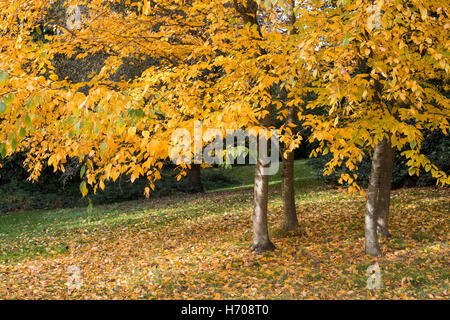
x=195 y=179
x=385 y=192
x=261 y=241
x=290 y=221
x=373 y=194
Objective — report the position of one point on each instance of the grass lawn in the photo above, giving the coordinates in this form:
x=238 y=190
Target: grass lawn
x=196 y=247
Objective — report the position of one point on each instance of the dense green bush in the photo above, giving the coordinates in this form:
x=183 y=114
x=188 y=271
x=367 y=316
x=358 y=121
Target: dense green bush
x=436 y=147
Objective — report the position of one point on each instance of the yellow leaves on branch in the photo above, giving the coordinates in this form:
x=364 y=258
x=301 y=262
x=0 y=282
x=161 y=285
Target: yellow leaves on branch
x=371 y=71
x=352 y=75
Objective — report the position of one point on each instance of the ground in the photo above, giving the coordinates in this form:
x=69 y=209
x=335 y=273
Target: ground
x=196 y=247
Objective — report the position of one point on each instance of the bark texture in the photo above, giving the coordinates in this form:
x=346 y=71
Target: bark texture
x=372 y=246
x=195 y=179
x=385 y=192
x=261 y=241
x=378 y=195
x=290 y=221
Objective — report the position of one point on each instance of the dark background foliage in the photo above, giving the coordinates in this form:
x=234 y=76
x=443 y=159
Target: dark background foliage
x=60 y=190
x=436 y=147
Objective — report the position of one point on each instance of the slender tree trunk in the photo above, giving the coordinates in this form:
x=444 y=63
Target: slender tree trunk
x=290 y=221
x=385 y=191
x=248 y=10
x=261 y=241
x=195 y=179
x=373 y=194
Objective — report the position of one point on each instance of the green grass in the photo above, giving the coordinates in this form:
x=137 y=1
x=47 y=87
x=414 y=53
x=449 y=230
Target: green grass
x=19 y=230
x=196 y=246
x=304 y=176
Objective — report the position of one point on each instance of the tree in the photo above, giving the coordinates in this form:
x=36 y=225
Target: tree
x=375 y=69
x=290 y=221
x=274 y=69
x=121 y=126
x=261 y=240
x=376 y=75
